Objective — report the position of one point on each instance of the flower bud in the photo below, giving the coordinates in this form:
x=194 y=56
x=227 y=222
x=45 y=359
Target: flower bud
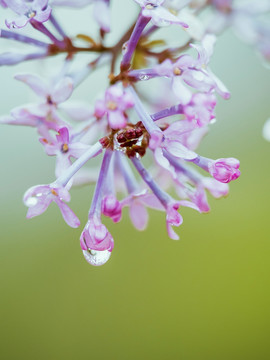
x=225 y=170
x=111 y=207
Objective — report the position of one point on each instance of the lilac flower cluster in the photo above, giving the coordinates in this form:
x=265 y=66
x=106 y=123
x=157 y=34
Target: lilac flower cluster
x=121 y=125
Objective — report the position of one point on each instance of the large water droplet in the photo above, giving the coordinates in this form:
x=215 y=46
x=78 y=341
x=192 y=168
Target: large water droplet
x=96 y=258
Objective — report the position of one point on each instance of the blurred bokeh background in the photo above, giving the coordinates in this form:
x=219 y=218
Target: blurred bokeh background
x=205 y=297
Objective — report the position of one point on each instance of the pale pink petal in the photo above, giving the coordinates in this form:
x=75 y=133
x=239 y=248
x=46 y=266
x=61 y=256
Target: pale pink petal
x=35 y=82
x=138 y=215
x=18 y=23
x=178 y=150
x=183 y=94
x=116 y=120
x=68 y=215
x=102 y=14
x=43 y=16
x=39 y=208
x=62 y=90
x=78 y=111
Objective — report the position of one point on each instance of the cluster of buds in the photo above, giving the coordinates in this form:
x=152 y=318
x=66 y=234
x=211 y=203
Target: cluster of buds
x=123 y=124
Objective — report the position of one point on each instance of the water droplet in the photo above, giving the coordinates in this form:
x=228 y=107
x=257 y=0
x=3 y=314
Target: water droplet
x=143 y=77
x=32 y=201
x=124 y=48
x=163 y=22
x=96 y=258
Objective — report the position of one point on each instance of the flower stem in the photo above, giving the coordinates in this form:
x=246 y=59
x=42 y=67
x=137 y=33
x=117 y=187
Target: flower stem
x=75 y=167
x=133 y=41
x=95 y=209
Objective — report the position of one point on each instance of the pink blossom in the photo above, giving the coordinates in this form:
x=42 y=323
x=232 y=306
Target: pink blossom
x=114 y=105
x=52 y=94
x=193 y=72
x=39 y=197
x=201 y=108
x=225 y=170
x=111 y=207
x=64 y=148
x=95 y=236
x=137 y=203
x=158 y=14
x=37 y=10
x=172 y=142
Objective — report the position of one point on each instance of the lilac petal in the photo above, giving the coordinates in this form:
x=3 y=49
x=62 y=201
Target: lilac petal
x=18 y=23
x=102 y=15
x=78 y=111
x=116 y=120
x=63 y=136
x=165 y=68
x=172 y=234
x=162 y=17
x=178 y=150
x=35 y=82
x=163 y=162
x=62 y=164
x=178 y=128
x=39 y=4
x=138 y=215
x=196 y=28
x=41 y=206
x=63 y=193
x=50 y=148
x=183 y=94
x=216 y=188
x=77 y=149
x=23 y=121
x=151 y=201
x=189 y=204
x=68 y=215
x=220 y=87
x=13 y=58
x=20 y=7
x=62 y=90
x=72 y=3
x=43 y=16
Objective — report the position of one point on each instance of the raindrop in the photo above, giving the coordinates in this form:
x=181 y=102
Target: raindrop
x=32 y=201
x=96 y=258
x=144 y=77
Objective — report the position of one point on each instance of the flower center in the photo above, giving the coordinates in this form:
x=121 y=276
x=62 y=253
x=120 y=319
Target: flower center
x=64 y=148
x=111 y=105
x=54 y=192
x=31 y=14
x=177 y=71
x=150 y=6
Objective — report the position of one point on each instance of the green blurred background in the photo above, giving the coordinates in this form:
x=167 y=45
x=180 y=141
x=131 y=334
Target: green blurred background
x=205 y=297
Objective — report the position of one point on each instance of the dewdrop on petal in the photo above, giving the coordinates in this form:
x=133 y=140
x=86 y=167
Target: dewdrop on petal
x=96 y=258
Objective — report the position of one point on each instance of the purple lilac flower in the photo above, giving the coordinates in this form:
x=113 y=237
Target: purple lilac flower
x=223 y=170
x=63 y=148
x=52 y=94
x=37 y=10
x=39 y=197
x=114 y=106
x=112 y=208
x=188 y=71
x=3 y=3
x=201 y=108
x=158 y=14
x=168 y=137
